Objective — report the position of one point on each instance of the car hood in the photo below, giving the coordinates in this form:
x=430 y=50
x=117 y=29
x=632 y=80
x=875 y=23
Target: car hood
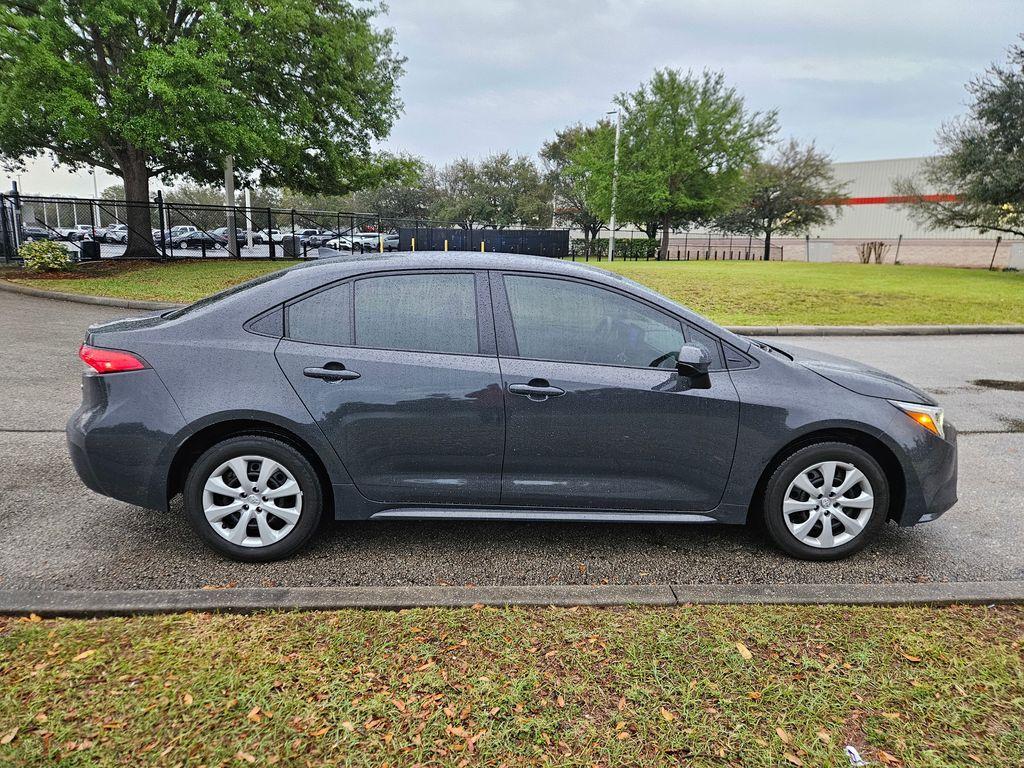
x=857 y=377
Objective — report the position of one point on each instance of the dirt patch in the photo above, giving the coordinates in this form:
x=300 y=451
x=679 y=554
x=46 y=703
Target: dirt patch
x=1012 y=425
x=1011 y=386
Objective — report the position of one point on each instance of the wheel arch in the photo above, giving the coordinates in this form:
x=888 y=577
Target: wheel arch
x=877 y=449
x=207 y=437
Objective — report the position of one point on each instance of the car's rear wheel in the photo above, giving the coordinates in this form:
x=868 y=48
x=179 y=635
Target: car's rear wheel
x=253 y=498
x=826 y=501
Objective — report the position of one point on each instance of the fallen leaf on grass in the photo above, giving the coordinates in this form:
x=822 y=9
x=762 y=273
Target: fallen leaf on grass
x=187 y=699
x=84 y=654
x=824 y=736
x=786 y=738
x=667 y=715
x=793 y=758
x=744 y=651
x=254 y=715
x=888 y=759
x=245 y=756
x=910 y=657
x=8 y=737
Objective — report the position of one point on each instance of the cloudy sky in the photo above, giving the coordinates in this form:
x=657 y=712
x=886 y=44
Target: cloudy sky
x=864 y=79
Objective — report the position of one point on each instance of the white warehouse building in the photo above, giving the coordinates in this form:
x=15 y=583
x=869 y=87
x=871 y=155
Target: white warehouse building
x=872 y=211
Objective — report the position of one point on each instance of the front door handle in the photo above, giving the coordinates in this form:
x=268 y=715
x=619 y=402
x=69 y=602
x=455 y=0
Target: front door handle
x=537 y=390
x=331 y=372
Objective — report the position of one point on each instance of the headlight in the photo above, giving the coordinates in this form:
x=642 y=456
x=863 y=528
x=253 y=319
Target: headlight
x=931 y=417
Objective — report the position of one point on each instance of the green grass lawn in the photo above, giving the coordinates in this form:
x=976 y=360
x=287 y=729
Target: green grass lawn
x=731 y=293
x=693 y=686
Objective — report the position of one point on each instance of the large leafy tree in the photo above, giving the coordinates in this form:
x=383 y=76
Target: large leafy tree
x=570 y=182
x=786 y=193
x=501 y=190
x=977 y=179
x=297 y=91
x=687 y=141
x=409 y=198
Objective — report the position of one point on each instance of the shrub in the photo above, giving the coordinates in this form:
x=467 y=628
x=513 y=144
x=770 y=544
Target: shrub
x=45 y=256
x=626 y=249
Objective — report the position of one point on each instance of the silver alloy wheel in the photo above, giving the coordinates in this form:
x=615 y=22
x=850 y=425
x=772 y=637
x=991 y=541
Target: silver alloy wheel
x=828 y=504
x=252 y=501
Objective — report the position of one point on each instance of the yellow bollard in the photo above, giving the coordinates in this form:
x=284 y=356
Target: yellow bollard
x=446 y=245
x=482 y=244
x=380 y=241
x=413 y=244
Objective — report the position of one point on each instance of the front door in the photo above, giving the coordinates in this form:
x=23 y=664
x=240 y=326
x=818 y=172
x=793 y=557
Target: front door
x=596 y=415
x=400 y=375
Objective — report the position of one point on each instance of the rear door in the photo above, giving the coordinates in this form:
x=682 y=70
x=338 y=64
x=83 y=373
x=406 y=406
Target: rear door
x=400 y=371
x=596 y=414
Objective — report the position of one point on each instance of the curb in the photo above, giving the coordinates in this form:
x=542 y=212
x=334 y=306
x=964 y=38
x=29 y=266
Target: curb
x=85 y=604
x=103 y=301
x=871 y=330
x=742 y=330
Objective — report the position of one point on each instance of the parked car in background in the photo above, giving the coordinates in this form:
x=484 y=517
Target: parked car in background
x=115 y=233
x=494 y=387
x=177 y=231
x=321 y=238
x=358 y=241
x=265 y=236
x=77 y=232
x=30 y=233
x=201 y=239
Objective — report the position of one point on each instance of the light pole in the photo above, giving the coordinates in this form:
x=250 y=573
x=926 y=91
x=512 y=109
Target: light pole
x=615 y=181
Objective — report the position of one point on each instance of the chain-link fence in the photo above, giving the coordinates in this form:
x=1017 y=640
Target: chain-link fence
x=108 y=229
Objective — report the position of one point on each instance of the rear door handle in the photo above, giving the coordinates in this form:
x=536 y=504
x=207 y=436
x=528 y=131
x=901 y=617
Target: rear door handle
x=331 y=372
x=537 y=390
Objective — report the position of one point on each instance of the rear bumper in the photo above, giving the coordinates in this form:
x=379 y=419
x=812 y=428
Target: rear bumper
x=931 y=478
x=118 y=438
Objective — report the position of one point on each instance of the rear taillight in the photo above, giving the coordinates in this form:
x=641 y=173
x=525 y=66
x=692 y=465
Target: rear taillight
x=109 y=360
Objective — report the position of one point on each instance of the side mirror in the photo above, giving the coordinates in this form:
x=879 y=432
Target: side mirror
x=694 y=362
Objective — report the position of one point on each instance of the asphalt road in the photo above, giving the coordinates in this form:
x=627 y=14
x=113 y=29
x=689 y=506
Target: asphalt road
x=56 y=534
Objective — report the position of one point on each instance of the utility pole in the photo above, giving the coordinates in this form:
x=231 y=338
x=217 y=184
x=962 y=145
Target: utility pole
x=248 y=220
x=615 y=182
x=229 y=202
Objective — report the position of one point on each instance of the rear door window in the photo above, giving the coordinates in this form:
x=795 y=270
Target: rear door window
x=431 y=312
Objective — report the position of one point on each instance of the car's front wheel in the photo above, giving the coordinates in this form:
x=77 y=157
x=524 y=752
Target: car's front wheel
x=253 y=498
x=826 y=501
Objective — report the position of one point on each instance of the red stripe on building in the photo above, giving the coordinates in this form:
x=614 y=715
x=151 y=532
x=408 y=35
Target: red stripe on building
x=894 y=199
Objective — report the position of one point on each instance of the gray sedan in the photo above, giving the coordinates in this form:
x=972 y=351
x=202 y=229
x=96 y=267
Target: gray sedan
x=493 y=386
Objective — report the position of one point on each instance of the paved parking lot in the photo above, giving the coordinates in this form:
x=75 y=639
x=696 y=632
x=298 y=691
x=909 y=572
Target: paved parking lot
x=58 y=535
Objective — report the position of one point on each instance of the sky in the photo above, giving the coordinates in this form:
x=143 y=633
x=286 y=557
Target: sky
x=864 y=80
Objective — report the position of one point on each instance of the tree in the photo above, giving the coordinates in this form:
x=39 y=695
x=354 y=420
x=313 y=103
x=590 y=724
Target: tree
x=786 y=193
x=296 y=91
x=980 y=161
x=570 y=182
x=499 y=191
x=686 y=143
x=412 y=197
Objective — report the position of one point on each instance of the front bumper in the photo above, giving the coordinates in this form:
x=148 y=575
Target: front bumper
x=930 y=470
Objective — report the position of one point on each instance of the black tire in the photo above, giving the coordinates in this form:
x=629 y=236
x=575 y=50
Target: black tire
x=795 y=464
x=280 y=452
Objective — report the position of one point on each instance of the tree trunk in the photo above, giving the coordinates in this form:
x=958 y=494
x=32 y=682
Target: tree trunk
x=767 y=245
x=663 y=251
x=651 y=229
x=139 y=215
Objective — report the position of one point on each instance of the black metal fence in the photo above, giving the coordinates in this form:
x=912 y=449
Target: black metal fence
x=110 y=229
